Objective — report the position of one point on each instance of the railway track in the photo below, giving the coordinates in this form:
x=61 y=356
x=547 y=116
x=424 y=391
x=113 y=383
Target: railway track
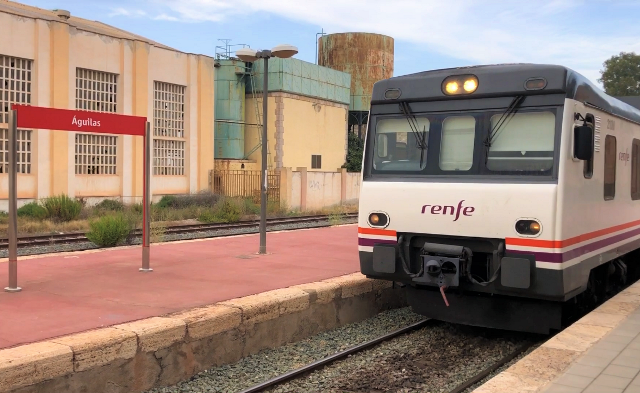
x=460 y=388
x=79 y=237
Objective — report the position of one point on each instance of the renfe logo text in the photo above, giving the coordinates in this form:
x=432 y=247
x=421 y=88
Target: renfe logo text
x=437 y=209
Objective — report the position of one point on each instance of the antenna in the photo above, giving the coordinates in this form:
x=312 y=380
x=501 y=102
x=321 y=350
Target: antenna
x=225 y=51
x=318 y=34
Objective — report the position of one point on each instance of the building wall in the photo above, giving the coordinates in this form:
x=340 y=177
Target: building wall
x=56 y=50
x=313 y=191
x=299 y=127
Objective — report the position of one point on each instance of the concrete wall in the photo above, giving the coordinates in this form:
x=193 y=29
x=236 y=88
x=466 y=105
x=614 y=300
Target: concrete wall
x=304 y=190
x=57 y=48
x=299 y=127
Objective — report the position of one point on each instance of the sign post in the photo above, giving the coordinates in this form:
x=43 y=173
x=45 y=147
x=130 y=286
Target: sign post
x=13 y=203
x=146 y=220
x=26 y=116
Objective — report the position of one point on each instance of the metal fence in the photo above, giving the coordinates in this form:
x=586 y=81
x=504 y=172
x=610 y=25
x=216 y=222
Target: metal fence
x=243 y=183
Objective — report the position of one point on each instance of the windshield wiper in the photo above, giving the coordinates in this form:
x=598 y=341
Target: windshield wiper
x=421 y=141
x=511 y=110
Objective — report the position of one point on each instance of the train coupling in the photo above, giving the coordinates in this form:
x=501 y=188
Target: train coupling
x=441 y=266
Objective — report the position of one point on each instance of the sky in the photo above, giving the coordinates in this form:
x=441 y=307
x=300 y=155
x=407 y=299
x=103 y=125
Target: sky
x=428 y=34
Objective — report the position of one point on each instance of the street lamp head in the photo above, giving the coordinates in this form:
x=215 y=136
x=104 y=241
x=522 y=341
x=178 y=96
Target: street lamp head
x=247 y=54
x=284 y=51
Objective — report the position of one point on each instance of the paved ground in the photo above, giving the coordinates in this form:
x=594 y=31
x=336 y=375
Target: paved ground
x=64 y=294
x=612 y=365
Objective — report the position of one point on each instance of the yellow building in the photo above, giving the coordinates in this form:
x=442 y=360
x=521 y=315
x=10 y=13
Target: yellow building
x=307 y=119
x=53 y=59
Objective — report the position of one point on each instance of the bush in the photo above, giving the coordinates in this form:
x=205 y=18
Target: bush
x=108 y=231
x=110 y=205
x=62 y=208
x=227 y=210
x=166 y=201
x=354 y=153
x=32 y=210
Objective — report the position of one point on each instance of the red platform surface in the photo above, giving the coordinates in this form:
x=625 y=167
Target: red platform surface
x=64 y=294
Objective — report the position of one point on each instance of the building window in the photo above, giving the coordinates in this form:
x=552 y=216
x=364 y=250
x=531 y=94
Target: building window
x=96 y=91
x=610 y=158
x=168 y=157
x=635 y=170
x=24 y=151
x=95 y=154
x=168 y=129
x=15 y=88
x=316 y=162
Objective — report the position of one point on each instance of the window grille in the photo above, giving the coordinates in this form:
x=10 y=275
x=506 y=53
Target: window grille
x=168 y=157
x=168 y=129
x=15 y=88
x=95 y=154
x=24 y=151
x=96 y=91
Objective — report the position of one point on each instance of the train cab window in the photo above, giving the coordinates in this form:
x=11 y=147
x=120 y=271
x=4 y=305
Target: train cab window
x=398 y=147
x=524 y=142
x=588 y=164
x=610 y=158
x=456 y=148
x=635 y=170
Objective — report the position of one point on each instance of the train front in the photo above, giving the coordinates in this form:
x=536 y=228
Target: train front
x=460 y=172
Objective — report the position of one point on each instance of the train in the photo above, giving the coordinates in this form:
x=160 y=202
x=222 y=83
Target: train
x=504 y=196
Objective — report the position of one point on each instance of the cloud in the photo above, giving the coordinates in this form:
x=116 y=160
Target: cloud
x=476 y=32
x=130 y=13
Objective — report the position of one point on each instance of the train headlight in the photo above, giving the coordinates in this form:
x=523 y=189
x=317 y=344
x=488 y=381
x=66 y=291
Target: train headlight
x=459 y=84
x=528 y=227
x=452 y=87
x=378 y=220
x=470 y=85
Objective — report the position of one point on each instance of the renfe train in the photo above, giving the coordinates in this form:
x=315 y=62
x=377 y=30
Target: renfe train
x=501 y=196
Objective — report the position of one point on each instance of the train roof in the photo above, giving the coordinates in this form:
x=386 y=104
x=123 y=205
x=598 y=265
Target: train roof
x=507 y=80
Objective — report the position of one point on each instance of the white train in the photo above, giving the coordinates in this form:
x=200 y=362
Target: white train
x=500 y=195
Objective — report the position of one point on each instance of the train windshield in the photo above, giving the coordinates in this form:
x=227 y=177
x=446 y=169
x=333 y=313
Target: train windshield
x=455 y=144
x=523 y=143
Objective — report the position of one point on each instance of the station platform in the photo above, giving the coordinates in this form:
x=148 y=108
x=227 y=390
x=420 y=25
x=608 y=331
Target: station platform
x=600 y=353
x=73 y=292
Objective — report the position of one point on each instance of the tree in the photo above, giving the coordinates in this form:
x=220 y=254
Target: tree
x=354 y=153
x=621 y=75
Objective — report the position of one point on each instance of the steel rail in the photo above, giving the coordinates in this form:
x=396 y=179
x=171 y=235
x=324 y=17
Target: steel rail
x=330 y=359
x=77 y=237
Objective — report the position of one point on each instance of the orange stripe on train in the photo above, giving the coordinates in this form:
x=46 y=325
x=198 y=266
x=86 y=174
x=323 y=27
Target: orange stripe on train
x=571 y=241
x=374 y=231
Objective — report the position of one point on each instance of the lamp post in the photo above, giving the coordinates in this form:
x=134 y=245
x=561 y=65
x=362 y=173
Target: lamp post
x=251 y=55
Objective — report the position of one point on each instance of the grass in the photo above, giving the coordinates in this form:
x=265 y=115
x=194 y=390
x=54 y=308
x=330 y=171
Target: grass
x=169 y=211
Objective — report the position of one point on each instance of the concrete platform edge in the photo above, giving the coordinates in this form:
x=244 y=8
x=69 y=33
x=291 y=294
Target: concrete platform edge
x=536 y=371
x=161 y=351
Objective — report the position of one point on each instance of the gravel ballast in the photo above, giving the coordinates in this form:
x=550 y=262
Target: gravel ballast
x=55 y=248
x=436 y=358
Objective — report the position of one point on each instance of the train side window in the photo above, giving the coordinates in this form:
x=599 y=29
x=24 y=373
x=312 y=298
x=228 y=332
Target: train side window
x=610 y=159
x=635 y=170
x=588 y=164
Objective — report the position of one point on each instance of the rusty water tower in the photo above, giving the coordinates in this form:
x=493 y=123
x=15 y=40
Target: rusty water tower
x=368 y=57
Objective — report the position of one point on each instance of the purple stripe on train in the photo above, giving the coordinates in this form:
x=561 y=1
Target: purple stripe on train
x=559 y=257
x=372 y=242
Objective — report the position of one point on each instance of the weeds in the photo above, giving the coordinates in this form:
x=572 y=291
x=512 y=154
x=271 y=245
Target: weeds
x=32 y=210
x=109 y=231
x=62 y=208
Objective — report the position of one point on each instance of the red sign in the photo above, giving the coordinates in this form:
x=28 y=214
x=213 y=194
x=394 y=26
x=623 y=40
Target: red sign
x=68 y=120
